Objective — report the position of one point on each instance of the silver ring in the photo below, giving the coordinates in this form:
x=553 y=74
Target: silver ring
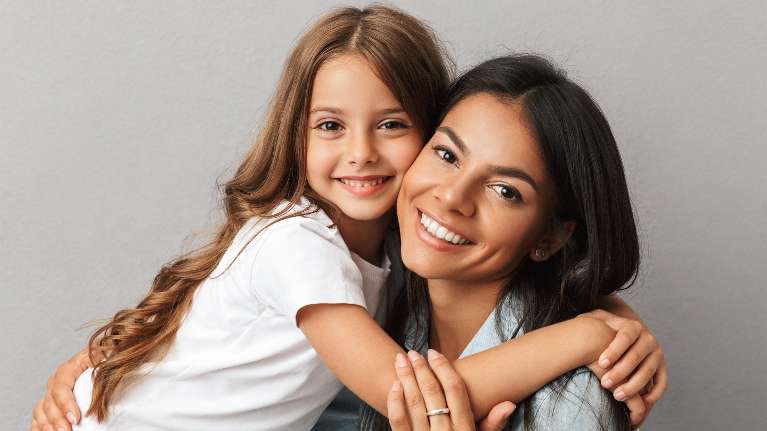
x=435 y=412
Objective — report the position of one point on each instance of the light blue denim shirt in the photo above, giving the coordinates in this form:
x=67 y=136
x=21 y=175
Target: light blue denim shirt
x=581 y=406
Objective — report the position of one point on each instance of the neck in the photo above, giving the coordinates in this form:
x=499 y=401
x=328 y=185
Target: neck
x=458 y=311
x=365 y=238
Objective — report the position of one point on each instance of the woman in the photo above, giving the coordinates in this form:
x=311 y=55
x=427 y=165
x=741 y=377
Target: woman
x=525 y=166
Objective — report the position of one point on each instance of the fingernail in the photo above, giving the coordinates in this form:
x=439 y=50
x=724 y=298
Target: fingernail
x=414 y=356
x=433 y=354
x=604 y=362
x=607 y=383
x=619 y=395
x=71 y=418
x=508 y=413
x=400 y=360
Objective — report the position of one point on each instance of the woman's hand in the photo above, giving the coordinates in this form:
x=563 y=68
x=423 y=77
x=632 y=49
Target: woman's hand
x=431 y=386
x=58 y=410
x=633 y=366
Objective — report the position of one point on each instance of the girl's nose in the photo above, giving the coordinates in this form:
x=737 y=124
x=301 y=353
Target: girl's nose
x=361 y=150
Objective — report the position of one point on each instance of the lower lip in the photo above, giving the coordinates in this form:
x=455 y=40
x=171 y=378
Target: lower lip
x=433 y=241
x=365 y=191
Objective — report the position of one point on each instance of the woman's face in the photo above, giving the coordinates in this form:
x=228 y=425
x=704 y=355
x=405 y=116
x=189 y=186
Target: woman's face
x=478 y=198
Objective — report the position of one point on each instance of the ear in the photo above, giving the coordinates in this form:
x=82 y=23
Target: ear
x=553 y=240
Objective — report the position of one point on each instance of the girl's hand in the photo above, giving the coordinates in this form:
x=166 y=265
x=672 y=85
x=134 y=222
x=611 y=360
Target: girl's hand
x=435 y=385
x=635 y=365
x=58 y=410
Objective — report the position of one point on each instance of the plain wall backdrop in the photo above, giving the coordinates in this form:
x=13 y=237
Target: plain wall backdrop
x=118 y=118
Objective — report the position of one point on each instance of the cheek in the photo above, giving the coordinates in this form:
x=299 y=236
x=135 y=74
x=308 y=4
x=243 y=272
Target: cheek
x=319 y=160
x=513 y=234
x=402 y=154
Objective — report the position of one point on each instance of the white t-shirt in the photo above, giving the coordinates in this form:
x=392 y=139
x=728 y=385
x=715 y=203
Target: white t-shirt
x=239 y=362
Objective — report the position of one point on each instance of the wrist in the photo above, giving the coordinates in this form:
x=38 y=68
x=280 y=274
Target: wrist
x=595 y=336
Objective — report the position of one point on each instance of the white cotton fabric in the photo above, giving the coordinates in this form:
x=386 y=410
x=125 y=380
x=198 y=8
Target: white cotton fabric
x=239 y=362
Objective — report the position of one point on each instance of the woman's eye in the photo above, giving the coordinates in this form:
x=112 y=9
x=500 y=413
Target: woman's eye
x=446 y=155
x=507 y=192
x=329 y=126
x=391 y=124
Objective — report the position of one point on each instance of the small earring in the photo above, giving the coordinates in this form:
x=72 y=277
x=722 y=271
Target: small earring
x=540 y=253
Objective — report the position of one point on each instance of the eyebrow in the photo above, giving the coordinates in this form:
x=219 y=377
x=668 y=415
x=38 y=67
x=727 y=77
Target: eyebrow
x=516 y=173
x=497 y=170
x=332 y=110
x=455 y=138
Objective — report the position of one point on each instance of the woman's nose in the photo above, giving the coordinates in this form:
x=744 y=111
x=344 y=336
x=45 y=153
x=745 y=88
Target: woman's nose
x=361 y=149
x=455 y=195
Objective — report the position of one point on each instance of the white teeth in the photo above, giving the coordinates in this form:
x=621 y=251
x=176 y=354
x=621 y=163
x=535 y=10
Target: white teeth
x=441 y=232
x=362 y=184
x=433 y=226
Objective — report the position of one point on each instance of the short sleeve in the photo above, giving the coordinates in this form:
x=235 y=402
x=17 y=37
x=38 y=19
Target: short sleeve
x=581 y=406
x=302 y=262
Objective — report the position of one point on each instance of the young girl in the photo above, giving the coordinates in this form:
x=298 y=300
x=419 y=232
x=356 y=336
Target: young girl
x=231 y=336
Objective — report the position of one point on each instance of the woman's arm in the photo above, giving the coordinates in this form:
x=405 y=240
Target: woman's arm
x=360 y=353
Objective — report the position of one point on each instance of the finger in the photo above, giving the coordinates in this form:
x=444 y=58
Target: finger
x=640 y=378
x=637 y=409
x=38 y=414
x=660 y=384
x=431 y=390
x=628 y=332
x=396 y=409
x=55 y=415
x=498 y=416
x=65 y=401
x=413 y=398
x=644 y=346
x=457 y=399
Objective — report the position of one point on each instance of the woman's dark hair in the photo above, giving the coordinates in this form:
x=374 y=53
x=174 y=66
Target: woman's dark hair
x=602 y=255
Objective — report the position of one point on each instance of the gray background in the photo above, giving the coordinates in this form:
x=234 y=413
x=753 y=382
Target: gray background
x=118 y=118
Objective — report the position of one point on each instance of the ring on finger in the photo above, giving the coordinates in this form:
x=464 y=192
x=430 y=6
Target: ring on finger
x=648 y=387
x=435 y=412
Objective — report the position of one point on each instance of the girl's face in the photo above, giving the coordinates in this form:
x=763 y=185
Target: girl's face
x=360 y=139
x=478 y=197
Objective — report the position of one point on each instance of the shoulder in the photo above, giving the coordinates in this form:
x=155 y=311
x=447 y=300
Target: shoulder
x=294 y=227
x=577 y=403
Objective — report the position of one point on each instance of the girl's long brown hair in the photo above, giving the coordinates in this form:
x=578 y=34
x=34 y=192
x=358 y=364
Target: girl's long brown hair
x=407 y=57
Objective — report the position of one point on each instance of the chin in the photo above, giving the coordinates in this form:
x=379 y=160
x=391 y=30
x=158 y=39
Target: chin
x=423 y=264
x=365 y=212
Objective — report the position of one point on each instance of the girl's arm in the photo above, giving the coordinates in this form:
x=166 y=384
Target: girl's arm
x=360 y=354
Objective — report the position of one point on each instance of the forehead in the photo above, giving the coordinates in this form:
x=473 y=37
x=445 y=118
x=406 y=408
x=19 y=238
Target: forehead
x=497 y=132
x=348 y=81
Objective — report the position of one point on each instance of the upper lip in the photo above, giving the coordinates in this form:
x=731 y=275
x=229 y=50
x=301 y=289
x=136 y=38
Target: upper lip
x=441 y=222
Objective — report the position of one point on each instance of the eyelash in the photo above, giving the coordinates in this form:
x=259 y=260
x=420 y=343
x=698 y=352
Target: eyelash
x=516 y=196
x=443 y=152
x=322 y=126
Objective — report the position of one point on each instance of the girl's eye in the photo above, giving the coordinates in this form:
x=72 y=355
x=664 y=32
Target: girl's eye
x=392 y=124
x=507 y=192
x=329 y=126
x=446 y=155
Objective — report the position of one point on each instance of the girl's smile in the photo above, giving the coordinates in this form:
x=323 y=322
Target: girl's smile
x=360 y=139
